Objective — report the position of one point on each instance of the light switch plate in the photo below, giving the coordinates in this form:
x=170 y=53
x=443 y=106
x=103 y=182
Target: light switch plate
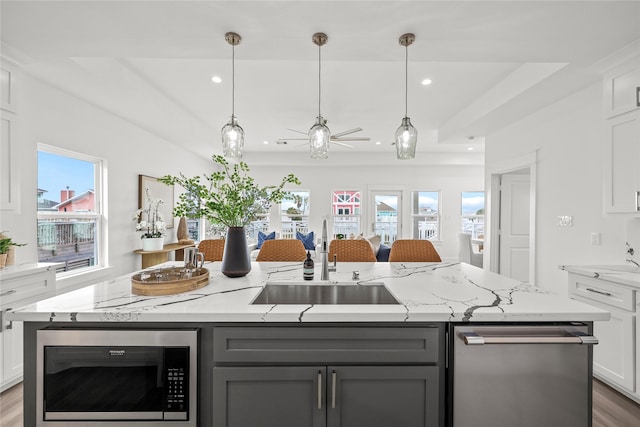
x=565 y=221
x=595 y=239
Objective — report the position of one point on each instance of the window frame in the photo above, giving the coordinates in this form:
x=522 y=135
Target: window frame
x=415 y=217
x=100 y=205
x=337 y=218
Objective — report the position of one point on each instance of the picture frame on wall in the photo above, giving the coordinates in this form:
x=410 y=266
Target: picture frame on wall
x=157 y=190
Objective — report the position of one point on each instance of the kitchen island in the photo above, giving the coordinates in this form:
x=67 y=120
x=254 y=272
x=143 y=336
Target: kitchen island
x=317 y=359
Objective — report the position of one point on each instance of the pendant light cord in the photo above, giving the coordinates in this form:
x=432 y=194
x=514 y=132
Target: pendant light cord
x=233 y=79
x=319 y=78
x=406 y=79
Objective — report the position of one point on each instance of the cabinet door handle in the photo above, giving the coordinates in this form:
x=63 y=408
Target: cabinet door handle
x=9 y=292
x=638 y=96
x=638 y=195
x=319 y=389
x=595 y=291
x=333 y=390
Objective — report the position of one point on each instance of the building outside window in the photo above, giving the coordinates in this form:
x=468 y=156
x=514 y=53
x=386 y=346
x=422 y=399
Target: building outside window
x=425 y=215
x=473 y=213
x=294 y=215
x=346 y=210
x=70 y=210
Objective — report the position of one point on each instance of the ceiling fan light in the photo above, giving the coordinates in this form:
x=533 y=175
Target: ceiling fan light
x=406 y=140
x=319 y=136
x=233 y=140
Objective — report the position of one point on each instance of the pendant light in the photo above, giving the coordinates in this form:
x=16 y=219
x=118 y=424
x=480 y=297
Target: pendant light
x=232 y=133
x=319 y=133
x=406 y=134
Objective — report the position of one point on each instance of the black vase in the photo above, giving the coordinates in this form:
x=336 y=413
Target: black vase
x=235 y=259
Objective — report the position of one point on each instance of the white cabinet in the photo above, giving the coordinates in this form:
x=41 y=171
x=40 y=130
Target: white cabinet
x=614 y=358
x=9 y=186
x=621 y=151
x=622 y=88
x=20 y=285
x=622 y=163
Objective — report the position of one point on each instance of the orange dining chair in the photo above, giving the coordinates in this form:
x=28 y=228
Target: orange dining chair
x=282 y=250
x=413 y=250
x=212 y=249
x=351 y=250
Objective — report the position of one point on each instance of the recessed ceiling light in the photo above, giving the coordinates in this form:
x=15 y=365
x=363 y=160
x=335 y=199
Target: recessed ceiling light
x=265 y=142
x=470 y=148
x=426 y=82
x=378 y=142
x=216 y=79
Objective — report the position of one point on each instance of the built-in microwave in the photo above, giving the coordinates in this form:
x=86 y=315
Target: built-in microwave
x=97 y=377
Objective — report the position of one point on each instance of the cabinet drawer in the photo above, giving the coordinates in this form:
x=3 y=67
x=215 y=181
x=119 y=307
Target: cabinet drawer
x=267 y=345
x=602 y=291
x=15 y=292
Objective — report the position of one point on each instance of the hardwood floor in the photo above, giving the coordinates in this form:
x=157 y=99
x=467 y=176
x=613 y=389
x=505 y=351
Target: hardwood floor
x=610 y=408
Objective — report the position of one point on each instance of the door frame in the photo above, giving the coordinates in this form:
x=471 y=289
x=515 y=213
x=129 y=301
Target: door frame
x=492 y=247
x=370 y=215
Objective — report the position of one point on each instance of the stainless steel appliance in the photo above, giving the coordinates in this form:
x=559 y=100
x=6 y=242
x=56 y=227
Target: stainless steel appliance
x=138 y=378
x=525 y=376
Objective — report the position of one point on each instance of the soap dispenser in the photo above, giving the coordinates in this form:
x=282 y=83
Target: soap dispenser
x=308 y=268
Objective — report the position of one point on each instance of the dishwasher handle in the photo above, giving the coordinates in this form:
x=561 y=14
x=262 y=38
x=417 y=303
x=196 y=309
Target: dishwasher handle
x=574 y=337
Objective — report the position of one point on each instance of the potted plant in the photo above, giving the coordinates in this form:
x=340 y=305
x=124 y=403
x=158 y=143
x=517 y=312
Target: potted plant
x=150 y=221
x=6 y=243
x=228 y=197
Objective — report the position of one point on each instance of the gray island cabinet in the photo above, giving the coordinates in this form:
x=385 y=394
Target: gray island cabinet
x=331 y=365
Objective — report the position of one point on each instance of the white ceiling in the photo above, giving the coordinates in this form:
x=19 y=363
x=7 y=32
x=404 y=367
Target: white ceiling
x=151 y=63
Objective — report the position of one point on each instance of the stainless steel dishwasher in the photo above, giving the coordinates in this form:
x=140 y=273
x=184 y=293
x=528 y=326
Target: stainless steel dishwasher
x=521 y=376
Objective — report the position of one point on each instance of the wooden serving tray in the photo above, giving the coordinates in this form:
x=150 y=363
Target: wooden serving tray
x=168 y=281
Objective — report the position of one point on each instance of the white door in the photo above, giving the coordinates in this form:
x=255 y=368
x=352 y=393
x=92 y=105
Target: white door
x=515 y=202
x=386 y=208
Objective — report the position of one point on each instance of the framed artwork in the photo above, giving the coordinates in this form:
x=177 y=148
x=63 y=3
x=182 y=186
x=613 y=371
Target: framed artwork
x=157 y=190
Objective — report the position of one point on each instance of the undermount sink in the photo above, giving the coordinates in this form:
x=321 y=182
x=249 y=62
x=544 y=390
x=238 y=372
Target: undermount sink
x=324 y=293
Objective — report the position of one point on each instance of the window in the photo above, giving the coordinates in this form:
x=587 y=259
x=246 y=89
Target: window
x=473 y=213
x=294 y=215
x=425 y=215
x=70 y=216
x=345 y=207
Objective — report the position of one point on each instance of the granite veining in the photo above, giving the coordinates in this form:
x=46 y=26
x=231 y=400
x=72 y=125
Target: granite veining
x=427 y=292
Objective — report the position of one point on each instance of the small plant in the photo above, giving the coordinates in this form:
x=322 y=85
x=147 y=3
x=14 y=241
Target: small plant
x=230 y=197
x=150 y=219
x=6 y=243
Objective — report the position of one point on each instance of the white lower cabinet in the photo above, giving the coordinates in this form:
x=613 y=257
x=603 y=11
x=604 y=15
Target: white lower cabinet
x=615 y=359
x=19 y=285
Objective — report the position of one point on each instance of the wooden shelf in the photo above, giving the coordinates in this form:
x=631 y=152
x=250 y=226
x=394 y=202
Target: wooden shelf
x=150 y=258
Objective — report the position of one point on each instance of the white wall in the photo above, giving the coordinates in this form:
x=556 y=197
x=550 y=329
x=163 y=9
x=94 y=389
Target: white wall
x=568 y=136
x=320 y=180
x=47 y=115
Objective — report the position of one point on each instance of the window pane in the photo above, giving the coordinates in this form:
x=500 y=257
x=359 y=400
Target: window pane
x=425 y=215
x=345 y=206
x=473 y=213
x=68 y=211
x=295 y=215
x=473 y=203
x=427 y=203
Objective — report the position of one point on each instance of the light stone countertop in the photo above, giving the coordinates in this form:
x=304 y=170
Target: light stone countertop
x=623 y=274
x=427 y=291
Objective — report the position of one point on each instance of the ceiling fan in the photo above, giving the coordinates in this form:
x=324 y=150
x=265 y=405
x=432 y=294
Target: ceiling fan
x=337 y=138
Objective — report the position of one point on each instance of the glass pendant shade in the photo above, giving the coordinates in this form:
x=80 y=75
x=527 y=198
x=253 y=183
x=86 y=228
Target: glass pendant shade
x=406 y=140
x=232 y=140
x=319 y=136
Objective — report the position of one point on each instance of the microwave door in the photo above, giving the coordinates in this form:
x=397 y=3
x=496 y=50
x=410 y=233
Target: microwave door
x=103 y=382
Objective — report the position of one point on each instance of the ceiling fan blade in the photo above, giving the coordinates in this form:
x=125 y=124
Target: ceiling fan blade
x=298 y=131
x=351 y=138
x=292 y=139
x=340 y=143
x=346 y=132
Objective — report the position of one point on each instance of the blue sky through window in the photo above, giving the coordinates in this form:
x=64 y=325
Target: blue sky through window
x=56 y=172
